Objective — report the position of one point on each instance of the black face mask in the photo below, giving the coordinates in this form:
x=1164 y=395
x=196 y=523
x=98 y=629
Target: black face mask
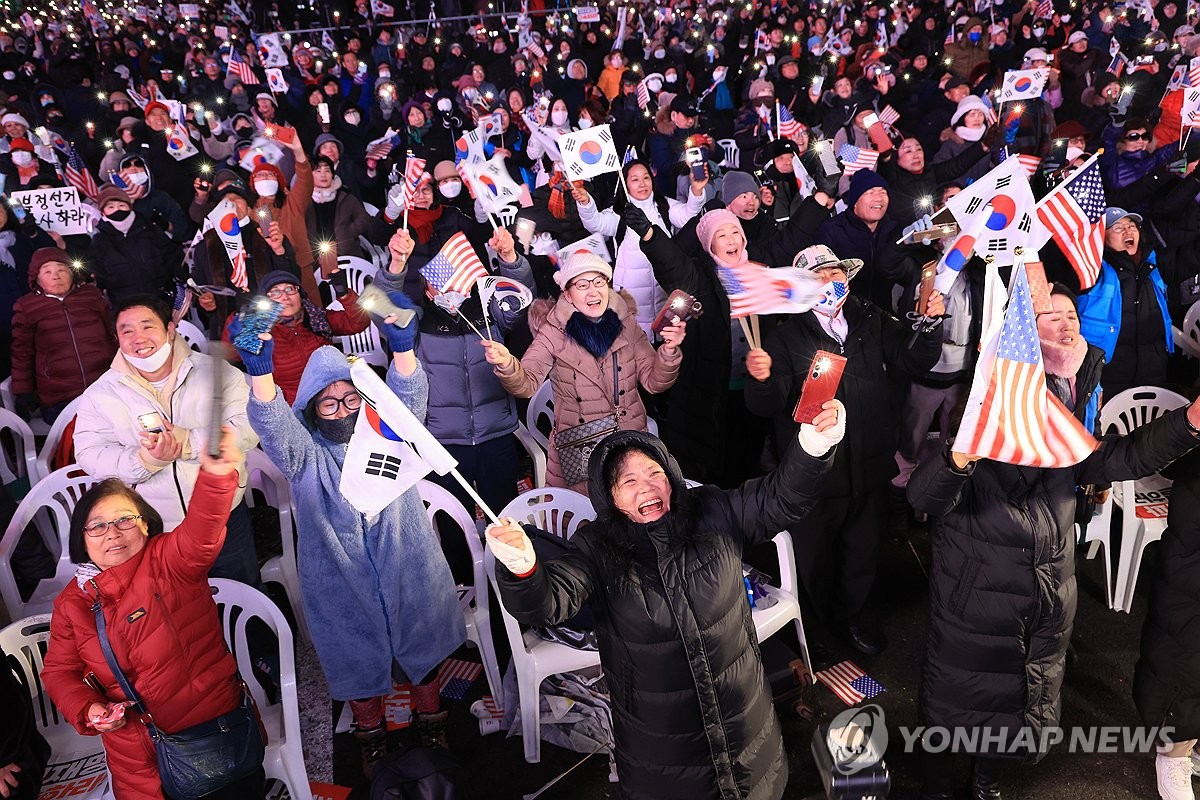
x=119 y=216
x=337 y=430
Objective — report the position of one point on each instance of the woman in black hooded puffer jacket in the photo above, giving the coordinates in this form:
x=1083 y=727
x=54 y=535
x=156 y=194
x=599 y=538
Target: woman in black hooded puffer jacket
x=692 y=713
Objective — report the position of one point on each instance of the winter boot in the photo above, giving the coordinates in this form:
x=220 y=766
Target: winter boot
x=373 y=745
x=986 y=783
x=431 y=727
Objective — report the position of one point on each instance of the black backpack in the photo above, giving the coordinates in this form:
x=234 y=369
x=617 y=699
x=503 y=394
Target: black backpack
x=419 y=773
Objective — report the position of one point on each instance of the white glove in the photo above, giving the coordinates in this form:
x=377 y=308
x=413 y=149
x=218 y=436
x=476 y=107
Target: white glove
x=817 y=443
x=395 y=201
x=521 y=560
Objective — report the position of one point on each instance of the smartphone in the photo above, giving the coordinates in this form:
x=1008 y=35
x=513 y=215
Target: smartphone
x=818 y=83
x=928 y=273
x=695 y=160
x=285 y=135
x=680 y=307
x=526 y=228
x=820 y=385
x=205 y=185
x=877 y=133
x=151 y=422
x=264 y=217
x=376 y=302
x=323 y=113
x=259 y=316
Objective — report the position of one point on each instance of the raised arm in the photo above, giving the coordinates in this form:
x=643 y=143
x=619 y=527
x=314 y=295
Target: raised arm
x=537 y=593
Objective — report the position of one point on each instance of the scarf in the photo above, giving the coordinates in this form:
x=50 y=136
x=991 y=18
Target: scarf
x=85 y=572
x=7 y=240
x=318 y=323
x=421 y=221
x=1063 y=360
x=558 y=195
x=594 y=336
x=327 y=195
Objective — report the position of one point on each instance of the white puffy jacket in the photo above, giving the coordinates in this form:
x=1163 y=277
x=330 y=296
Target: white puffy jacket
x=107 y=428
x=632 y=270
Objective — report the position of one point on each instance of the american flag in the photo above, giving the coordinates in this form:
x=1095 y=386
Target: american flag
x=1045 y=10
x=643 y=94
x=1117 y=65
x=379 y=148
x=121 y=180
x=1074 y=215
x=856 y=158
x=630 y=155
x=1030 y=163
x=414 y=171
x=77 y=173
x=239 y=67
x=755 y=289
x=789 y=128
x=850 y=683
x=456 y=267
x=1011 y=415
x=455 y=677
x=889 y=116
x=949 y=35
x=1194 y=72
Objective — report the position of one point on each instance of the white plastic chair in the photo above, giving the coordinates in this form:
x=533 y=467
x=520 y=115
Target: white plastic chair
x=507 y=215
x=45 y=456
x=25 y=642
x=194 y=337
x=561 y=512
x=366 y=344
x=21 y=461
x=48 y=506
x=536 y=454
x=1188 y=338
x=263 y=475
x=1130 y=409
x=733 y=155
x=284 y=759
x=381 y=257
x=539 y=416
x=372 y=209
x=8 y=401
x=475 y=605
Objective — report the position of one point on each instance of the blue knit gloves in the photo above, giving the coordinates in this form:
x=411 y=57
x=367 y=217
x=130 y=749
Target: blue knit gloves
x=1010 y=129
x=256 y=363
x=399 y=339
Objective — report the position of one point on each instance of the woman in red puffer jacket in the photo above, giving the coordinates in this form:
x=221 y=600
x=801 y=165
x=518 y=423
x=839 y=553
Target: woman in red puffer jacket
x=62 y=336
x=161 y=621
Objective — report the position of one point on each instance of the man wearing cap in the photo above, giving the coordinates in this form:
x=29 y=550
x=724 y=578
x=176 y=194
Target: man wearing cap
x=838 y=542
x=754 y=121
x=969 y=48
x=666 y=149
x=1080 y=65
x=865 y=233
x=1125 y=313
x=937 y=112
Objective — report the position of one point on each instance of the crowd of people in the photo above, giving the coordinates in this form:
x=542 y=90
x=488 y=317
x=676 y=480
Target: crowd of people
x=220 y=161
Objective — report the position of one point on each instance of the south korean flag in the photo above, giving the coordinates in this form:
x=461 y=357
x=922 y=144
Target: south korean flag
x=588 y=153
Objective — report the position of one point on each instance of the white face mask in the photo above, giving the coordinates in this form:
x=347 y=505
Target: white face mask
x=654 y=85
x=558 y=118
x=1073 y=153
x=584 y=123
x=9 y=75
x=445 y=105
x=451 y=189
x=660 y=53
x=22 y=158
x=671 y=78
x=139 y=178
x=770 y=59
x=153 y=362
x=266 y=188
x=1037 y=32
x=969 y=134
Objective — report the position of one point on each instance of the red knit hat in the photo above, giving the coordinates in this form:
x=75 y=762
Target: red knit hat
x=21 y=143
x=273 y=170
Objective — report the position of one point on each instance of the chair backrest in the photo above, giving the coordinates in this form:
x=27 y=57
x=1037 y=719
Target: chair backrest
x=1135 y=407
x=45 y=456
x=25 y=642
x=371 y=208
x=18 y=454
x=561 y=512
x=1191 y=330
x=507 y=215
x=436 y=500
x=366 y=344
x=733 y=155
x=6 y=395
x=539 y=417
x=237 y=604
x=194 y=337
x=263 y=475
x=380 y=256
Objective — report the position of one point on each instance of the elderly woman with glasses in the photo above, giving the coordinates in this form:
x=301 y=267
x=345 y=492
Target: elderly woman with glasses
x=152 y=588
x=591 y=348
x=304 y=326
x=377 y=591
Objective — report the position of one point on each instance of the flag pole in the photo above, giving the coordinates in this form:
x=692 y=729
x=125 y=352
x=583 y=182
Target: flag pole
x=748 y=334
x=475 y=495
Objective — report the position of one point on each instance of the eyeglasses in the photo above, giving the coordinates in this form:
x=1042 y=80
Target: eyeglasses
x=96 y=530
x=583 y=284
x=328 y=406
x=1136 y=137
x=282 y=291
x=1124 y=227
x=136 y=162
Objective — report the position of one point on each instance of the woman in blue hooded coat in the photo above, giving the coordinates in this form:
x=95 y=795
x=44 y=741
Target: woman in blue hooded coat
x=377 y=592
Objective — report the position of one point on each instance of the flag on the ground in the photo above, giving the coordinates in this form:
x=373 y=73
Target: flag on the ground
x=378 y=149
x=1074 y=215
x=224 y=220
x=414 y=172
x=241 y=69
x=390 y=449
x=1011 y=416
x=889 y=116
x=850 y=683
x=456 y=267
x=455 y=676
x=643 y=94
x=588 y=153
x=856 y=158
x=1023 y=84
x=789 y=128
x=1005 y=202
x=77 y=173
x=755 y=289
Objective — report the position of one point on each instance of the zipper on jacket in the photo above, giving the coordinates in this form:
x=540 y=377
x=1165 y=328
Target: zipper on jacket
x=74 y=343
x=175 y=464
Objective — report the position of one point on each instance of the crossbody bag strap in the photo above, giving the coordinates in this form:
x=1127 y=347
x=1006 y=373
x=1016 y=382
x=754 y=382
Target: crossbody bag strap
x=111 y=658
x=616 y=383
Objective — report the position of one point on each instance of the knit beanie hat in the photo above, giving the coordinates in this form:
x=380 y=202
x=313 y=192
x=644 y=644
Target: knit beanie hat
x=863 y=180
x=110 y=192
x=276 y=277
x=43 y=256
x=737 y=183
x=706 y=228
x=578 y=264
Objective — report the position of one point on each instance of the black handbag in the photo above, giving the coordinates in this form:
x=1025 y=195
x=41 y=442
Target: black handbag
x=203 y=758
x=575 y=445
